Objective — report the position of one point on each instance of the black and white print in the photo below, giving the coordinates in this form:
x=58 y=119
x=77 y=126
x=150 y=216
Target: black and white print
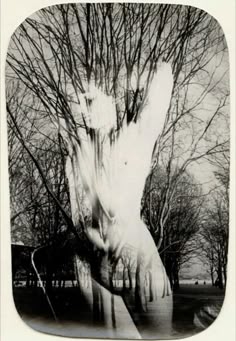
x=118 y=145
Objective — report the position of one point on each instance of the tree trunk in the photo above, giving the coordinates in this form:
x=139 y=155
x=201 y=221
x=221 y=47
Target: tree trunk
x=176 y=279
x=124 y=278
x=130 y=279
x=151 y=298
x=76 y=270
x=169 y=271
x=103 y=300
x=175 y=274
x=140 y=298
x=225 y=274
x=212 y=277
x=98 y=315
x=219 y=273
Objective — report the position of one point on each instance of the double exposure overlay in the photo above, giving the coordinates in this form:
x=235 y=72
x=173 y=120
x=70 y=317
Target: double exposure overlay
x=118 y=144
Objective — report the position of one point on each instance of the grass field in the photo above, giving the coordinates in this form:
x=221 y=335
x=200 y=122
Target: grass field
x=77 y=316
x=189 y=300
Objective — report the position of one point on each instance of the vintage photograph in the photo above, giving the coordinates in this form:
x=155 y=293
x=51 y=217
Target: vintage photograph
x=118 y=122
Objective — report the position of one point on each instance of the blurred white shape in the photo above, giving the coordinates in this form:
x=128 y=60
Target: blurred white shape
x=113 y=167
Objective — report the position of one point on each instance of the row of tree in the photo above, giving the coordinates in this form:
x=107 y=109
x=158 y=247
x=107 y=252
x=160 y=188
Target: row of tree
x=51 y=58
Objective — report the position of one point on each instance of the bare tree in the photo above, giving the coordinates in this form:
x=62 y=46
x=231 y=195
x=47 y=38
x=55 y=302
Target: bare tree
x=56 y=53
x=215 y=230
x=182 y=224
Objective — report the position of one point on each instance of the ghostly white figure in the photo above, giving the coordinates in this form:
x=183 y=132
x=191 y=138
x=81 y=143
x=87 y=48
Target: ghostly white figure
x=112 y=167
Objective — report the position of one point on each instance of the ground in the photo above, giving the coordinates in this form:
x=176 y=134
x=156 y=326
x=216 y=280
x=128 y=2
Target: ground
x=76 y=319
x=189 y=301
